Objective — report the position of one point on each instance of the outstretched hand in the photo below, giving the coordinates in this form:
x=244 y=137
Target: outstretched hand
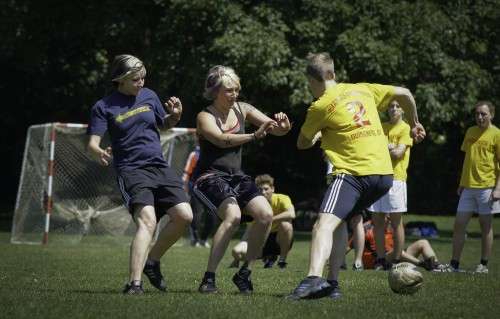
x=265 y=128
x=174 y=107
x=105 y=156
x=418 y=133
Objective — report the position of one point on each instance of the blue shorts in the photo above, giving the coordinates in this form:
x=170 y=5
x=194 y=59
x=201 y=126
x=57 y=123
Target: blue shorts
x=215 y=187
x=348 y=194
x=160 y=187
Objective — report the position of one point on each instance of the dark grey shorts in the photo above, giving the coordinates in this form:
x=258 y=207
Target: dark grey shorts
x=348 y=194
x=160 y=187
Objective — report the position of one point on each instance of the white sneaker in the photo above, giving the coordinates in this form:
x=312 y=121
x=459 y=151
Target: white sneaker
x=481 y=269
x=447 y=268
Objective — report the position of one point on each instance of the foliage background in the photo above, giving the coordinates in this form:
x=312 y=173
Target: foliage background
x=54 y=56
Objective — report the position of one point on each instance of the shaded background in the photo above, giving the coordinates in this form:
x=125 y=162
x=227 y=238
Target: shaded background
x=54 y=59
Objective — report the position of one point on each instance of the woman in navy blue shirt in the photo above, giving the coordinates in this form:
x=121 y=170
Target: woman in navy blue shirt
x=133 y=115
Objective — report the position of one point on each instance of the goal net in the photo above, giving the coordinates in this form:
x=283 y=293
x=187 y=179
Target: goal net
x=65 y=195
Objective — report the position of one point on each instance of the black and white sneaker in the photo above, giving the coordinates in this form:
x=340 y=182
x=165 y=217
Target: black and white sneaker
x=242 y=280
x=207 y=286
x=133 y=288
x=311 y=288
x=282 y=264
x=153 y=272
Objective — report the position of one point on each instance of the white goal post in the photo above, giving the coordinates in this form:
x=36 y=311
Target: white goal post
x=65 y=193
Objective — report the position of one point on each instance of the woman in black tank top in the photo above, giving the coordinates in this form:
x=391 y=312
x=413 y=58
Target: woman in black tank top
x=219 y=181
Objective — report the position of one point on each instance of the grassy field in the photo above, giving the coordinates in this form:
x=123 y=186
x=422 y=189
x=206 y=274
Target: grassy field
x=84 y=281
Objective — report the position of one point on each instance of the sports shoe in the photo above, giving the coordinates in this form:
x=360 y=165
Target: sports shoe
x=133 y=288
x=153 y=272
x=481 y=269
x=336 y=293
x=357 y=267
x=447 y=268
x=269 y=263
x=207 y=286
x=282 y=264
x=205 y=244
x=311 y=288
x=242 y=280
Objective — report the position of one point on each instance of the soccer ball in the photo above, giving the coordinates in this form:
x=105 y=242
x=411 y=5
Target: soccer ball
x=405 y=279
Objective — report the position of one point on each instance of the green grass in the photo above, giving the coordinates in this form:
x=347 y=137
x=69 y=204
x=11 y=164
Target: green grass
x=84 y=281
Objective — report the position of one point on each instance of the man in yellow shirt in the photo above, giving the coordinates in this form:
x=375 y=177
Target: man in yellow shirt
x=393 y=203
x=280 y=238
x=479 y=188
x=345 y=118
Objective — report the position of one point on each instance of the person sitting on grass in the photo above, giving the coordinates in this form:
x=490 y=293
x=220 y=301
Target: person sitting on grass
x=280 y=238
x=419 y=253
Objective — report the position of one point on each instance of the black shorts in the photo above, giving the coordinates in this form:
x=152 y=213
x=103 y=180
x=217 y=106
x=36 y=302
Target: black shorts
x=272 y=247
x=213 y=188
x=160 y=187
x=348 y=194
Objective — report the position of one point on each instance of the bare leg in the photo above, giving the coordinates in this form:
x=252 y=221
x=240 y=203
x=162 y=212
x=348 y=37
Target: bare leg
x=258 y=232
x=180 y=217
x=461 y=221
x=399 y=234
x=284 y=238
x=358 y=238
x=321 y=243
x=486 y=235
x=338 y=251
x=379 y=231
x=231 y=214
x=145 y=220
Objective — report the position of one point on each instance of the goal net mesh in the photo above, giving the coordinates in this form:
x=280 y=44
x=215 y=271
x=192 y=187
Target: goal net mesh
x=85 y=196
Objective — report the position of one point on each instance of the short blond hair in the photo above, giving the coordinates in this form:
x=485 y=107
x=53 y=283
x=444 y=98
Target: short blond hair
x=218 y=76
x=264 y=179
x=126 y=65
x=318 y=65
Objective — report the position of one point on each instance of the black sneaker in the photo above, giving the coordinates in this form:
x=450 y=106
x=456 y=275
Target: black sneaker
x=282 y=264
x=153 y=272
x=242 y=280
x=133 y=288
x=269 y=263
x=336 y=293
x=207 y=286
x=357 y=267
x=311 y=288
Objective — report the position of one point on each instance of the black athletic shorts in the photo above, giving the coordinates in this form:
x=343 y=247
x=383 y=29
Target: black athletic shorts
x=272 y=247
x=348 y=194
x=213 y=188
x=160 y=187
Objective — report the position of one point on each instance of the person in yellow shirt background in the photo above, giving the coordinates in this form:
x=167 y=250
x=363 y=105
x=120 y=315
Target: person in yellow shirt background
x=394 y=202
x=345 y=117
x=479 y=188
x=280 y=238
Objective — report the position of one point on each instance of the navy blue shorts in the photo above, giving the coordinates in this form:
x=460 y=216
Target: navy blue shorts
x=160 y=187
x=213 y=188
x=348 y=194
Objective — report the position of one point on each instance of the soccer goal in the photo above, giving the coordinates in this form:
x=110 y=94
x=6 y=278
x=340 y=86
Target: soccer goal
x=65 y=195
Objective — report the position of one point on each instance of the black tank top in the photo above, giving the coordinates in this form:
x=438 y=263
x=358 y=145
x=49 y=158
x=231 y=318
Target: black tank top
x=214 y=158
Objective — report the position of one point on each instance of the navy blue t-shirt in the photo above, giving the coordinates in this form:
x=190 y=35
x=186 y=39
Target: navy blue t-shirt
x=132 y=122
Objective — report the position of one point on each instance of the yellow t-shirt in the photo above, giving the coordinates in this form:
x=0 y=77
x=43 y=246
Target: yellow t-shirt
x=482 y=154
x=352 y=135
x=279 y=203
x=399 y=134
